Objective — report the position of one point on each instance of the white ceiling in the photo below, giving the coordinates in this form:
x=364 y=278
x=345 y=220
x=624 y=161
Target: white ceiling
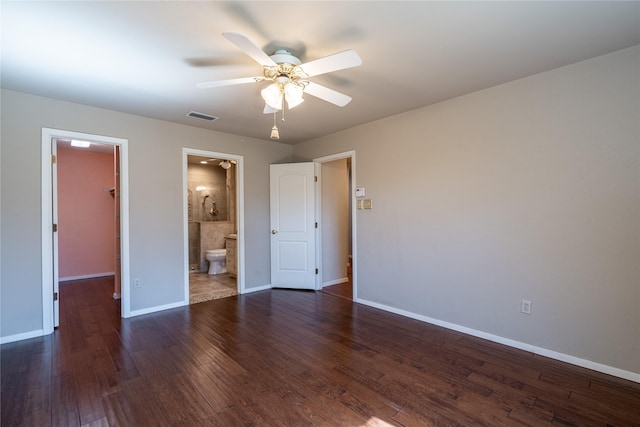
x=145 y=58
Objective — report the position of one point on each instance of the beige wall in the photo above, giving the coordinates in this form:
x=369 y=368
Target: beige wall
x=525 y=190
x=155 y=193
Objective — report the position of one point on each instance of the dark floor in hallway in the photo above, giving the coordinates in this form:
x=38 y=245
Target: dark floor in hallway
x=342 y=290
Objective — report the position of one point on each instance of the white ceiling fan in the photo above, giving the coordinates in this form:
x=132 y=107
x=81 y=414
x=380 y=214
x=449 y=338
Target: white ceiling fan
x=289 y=76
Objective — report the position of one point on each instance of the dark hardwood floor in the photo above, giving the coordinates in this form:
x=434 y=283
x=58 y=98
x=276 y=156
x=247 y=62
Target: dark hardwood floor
x=287 y=358
x=342 y=290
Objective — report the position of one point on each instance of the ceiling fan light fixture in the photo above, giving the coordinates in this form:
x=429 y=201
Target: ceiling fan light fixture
x=288 y=76
x=293 y=95
x=272 y=96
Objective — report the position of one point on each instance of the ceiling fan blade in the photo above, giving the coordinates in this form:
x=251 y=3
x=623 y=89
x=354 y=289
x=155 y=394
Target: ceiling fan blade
x=250 y=48
x=326 y=94
x=229 y=82
x=337 y=61
x=269 y=110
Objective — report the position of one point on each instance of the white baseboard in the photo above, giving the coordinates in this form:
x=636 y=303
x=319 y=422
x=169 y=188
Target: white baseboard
x=335 y=282
x=182 y=303
x=606 y=369
x=157 y=308
x=22 y=336
x=86 y=276
x=256 y=289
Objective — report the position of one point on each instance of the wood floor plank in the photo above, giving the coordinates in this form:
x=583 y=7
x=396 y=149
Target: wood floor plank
x=120 y=357
x=119 y=412
x=89 y=396
x=217 y=392
x=284 y=357
x=619 y=415
x=64 y=401
x=147 y=411
x=623 y=393
x=101 y=422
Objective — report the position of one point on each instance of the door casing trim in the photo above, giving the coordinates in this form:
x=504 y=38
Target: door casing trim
x=48 y=134
x=354 y=251
x=239 y=213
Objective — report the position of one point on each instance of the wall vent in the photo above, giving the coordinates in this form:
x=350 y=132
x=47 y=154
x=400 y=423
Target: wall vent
x=201 y=116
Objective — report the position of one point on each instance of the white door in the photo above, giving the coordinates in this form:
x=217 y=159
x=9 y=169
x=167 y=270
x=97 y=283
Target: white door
x=293 y=249
x=54 y=213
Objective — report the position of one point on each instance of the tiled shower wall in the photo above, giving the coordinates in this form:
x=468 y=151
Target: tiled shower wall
x=214 y=179
x=207 y=231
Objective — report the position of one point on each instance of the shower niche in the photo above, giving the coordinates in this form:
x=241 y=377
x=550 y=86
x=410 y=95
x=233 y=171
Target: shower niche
x=211 y=189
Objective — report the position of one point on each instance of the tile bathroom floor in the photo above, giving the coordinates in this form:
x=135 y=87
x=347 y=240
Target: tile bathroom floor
x=206 y=287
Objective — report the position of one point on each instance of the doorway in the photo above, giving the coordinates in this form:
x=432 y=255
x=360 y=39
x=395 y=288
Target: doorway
x=87 y=190
x=50 y=254
x=336 y=213
x=213 y=218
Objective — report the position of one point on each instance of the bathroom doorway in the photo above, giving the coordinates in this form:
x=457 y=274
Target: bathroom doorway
x=213 y=225
x=335 y=211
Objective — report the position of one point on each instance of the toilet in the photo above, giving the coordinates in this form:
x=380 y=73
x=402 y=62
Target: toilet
x=217 y=260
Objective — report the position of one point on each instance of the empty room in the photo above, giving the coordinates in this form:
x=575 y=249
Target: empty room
x=374 y=213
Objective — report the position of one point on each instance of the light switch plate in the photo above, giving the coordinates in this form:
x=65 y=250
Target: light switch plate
x=368 y=204
x=359 y=203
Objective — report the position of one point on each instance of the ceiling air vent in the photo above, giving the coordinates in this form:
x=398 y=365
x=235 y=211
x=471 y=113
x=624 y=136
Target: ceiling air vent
x=201 y=116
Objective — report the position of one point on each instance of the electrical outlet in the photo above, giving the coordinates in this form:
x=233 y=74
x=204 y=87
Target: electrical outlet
x=525 y=306
x=136 y=283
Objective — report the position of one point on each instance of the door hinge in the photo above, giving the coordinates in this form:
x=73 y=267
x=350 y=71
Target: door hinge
x=53 y=159
x=316 y=225
x=316 y=271
x=315 y=179
x=55 y=296
x=55 y=228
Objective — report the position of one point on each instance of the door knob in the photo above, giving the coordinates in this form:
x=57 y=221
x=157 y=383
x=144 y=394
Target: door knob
x=273 y=231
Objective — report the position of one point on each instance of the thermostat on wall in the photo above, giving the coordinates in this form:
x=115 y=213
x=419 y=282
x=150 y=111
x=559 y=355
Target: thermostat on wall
x=360 y=192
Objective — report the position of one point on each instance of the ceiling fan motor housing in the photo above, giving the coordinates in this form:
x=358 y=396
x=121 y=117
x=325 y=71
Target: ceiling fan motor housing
x=283 y=56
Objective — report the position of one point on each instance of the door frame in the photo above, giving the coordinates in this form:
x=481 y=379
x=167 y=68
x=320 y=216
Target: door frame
x=239 y=212
x=354 y=251
x=48 y=135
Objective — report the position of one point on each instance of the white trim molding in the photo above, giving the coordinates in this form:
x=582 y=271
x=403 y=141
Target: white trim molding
x=157 y=308
x=335 y=282
x=354 y=250
x=239 y=213
x=48 y=135
x=22 y=336
x=257 y=289
x=86 y=276
x=595 y=366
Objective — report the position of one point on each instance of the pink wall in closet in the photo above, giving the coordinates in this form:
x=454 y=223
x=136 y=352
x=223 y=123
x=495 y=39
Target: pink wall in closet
x=86 y=213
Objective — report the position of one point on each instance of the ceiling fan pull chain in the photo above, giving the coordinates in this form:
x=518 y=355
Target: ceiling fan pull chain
x=274 y=130
x=283 y=108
